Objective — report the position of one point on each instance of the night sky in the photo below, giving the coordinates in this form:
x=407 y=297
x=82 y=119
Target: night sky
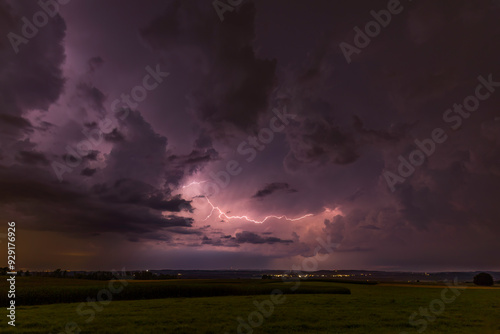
x=183 y=135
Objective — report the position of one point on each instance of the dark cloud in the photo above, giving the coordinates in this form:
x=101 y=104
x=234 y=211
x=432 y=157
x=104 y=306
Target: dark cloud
x=94 y=63
x=244 y=237
x=127 y=208
x=114 y=136
x=209 y=241
x=127 y=191
x=370 y=227
x=353 y=122
x=253 y=238
x=200 y=157
x=45 y=126
x=181 y=166
x=272 y=188
x=88 y=171
x=184 y=230
x=335 y=228
x=230 y=76
x=223 y=241
x=32 y=78
x=142 y=156
x=92 y=95
x=204 y=141
x=37 y=63
x=32 y=158
x=92 y=155
x=15 y=121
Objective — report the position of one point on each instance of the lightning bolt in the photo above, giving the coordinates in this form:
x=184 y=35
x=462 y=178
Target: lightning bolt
x=193 y=183
x=223 y=215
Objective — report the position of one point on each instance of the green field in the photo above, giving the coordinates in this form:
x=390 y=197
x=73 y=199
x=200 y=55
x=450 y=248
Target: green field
x=379 y=308
x=41 y=290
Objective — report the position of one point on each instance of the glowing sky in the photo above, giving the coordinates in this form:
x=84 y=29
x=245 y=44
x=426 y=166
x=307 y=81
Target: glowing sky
x=255 y=137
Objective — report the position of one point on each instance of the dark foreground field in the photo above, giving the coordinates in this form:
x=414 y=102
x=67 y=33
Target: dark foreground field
x=41 y=290
x=382 y=308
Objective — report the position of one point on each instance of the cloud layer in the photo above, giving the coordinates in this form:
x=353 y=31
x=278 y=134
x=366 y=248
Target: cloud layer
x=140 y=186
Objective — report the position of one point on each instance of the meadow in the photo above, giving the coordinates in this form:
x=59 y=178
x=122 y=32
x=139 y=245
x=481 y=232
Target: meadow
x=45 y=290
x=316 y=307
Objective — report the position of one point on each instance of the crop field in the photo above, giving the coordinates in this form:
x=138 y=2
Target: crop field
x=39 y=290
x=249 y=306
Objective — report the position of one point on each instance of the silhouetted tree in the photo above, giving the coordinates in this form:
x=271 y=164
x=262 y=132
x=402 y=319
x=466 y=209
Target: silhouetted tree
x=144 y=275
x=483 y=279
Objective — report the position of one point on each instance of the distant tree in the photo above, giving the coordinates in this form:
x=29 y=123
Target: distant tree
x=27 y=273
x=483 y=279
x=3 y=271
x=143 y=275
x=57 y=273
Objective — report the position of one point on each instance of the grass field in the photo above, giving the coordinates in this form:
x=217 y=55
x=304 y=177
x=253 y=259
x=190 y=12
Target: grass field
x=42 y=290
x=382 y=308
